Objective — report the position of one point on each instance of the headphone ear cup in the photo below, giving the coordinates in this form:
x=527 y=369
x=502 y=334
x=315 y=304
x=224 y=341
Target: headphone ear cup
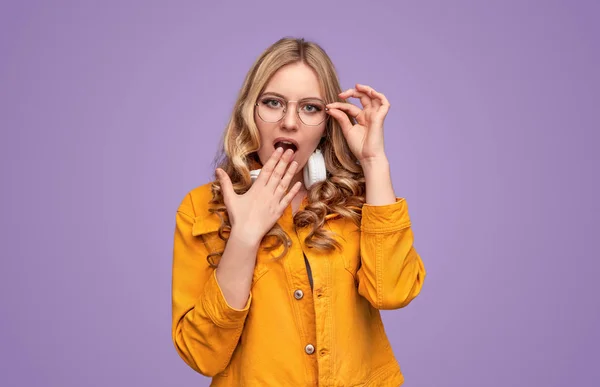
x=314 y=170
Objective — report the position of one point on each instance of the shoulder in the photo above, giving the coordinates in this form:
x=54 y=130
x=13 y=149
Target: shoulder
x=196 y=206
x=197 y=201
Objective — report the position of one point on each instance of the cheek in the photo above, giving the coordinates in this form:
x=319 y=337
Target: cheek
x=318 y=137
x=312 y=144
x=266 y=136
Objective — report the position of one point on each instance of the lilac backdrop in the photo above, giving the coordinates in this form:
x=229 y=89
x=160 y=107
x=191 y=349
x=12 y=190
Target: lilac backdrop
x=112 y=111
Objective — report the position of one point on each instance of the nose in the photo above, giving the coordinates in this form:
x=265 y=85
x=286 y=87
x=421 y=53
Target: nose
x=290 y=119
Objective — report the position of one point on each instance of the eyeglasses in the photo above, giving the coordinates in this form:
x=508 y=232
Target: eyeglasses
x=311 y=111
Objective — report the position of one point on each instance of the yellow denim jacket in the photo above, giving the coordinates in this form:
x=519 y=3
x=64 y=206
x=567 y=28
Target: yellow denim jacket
x=288 y=334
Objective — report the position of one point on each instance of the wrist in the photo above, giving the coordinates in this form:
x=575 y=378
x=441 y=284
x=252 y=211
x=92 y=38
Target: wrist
x=375 y=164
x=244 y=239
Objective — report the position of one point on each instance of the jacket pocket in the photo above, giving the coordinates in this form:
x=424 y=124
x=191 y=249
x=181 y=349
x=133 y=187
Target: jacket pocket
x=207 y=229
x=266 y=259
x=348 y=235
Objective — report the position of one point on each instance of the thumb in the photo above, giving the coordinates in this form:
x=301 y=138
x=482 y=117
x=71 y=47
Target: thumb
x=226 y=186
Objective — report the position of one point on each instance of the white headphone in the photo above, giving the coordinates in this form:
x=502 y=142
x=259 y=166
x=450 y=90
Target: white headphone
x=314 y=170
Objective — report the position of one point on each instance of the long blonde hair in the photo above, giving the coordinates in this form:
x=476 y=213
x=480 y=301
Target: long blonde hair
x=341 y=194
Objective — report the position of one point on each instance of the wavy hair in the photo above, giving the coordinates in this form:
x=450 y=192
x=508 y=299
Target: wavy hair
x=342 y=194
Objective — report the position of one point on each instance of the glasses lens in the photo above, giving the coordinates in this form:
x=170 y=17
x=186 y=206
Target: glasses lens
x=312 y=112
x=271 y=109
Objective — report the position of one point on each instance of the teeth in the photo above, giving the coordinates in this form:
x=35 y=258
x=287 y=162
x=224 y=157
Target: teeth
x=287 y=144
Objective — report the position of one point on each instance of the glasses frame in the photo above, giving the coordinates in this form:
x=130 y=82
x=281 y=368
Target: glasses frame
x=285 y=108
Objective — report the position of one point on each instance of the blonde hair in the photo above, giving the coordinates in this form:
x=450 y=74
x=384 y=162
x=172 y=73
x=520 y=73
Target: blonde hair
x=341 y=194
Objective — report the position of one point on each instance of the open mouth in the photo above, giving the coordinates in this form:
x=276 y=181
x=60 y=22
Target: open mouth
x=285 y=145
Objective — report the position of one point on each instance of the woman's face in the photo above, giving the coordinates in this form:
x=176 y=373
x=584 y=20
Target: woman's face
x=294 y=82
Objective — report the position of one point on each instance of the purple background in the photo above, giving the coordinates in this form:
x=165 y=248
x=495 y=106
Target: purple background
x=111 y=113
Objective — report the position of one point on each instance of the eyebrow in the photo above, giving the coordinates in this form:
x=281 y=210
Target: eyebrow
x=283 y=97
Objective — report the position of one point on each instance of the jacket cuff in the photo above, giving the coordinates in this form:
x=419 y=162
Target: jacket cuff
x=217 y=308
x=385 y=218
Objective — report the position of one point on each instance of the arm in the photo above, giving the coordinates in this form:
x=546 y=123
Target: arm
x=210 y=306
x=236 y=267
x=205 y=328
x=391 y=273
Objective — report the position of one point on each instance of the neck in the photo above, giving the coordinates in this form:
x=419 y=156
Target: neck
x=299 y=177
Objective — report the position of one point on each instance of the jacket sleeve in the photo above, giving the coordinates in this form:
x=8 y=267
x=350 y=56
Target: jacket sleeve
x=205 y=329
x=391 y=273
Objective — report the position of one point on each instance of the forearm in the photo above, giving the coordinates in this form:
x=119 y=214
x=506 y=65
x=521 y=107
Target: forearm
x=378 y=181
x=236 y=267
x=391 y=272
x=205 y=329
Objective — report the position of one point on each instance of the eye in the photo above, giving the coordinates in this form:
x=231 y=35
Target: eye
x=272 y=103
x=312 y=107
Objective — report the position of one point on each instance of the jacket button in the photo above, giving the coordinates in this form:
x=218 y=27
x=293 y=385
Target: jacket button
x=309 y=349
x=298 y=294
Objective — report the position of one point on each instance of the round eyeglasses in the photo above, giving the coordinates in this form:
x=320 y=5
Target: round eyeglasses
x=311 y=111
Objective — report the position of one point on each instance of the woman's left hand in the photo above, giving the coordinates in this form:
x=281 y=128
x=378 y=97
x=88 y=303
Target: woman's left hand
x=365 y=138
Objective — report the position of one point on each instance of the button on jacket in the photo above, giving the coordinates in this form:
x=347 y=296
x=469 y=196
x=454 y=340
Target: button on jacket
x=289 y=334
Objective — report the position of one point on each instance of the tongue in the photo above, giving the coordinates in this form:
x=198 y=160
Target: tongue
x=285 y=146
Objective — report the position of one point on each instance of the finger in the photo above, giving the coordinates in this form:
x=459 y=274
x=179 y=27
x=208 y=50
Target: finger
x=368 y=90
x=379 y=101
x=352 y=92
x=349 y=108
x=287 y=199
x=346 y=92
x=377 y=96
x=287 y=179
x=226 y=186
x=365 y=100
x=279 y=170
x=342 y=119
x=267 y=169
x=385 y=105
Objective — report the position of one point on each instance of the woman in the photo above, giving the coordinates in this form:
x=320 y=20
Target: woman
x=281 y=265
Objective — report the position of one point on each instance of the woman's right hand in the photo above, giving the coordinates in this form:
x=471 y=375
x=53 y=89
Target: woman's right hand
x=254 y=213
